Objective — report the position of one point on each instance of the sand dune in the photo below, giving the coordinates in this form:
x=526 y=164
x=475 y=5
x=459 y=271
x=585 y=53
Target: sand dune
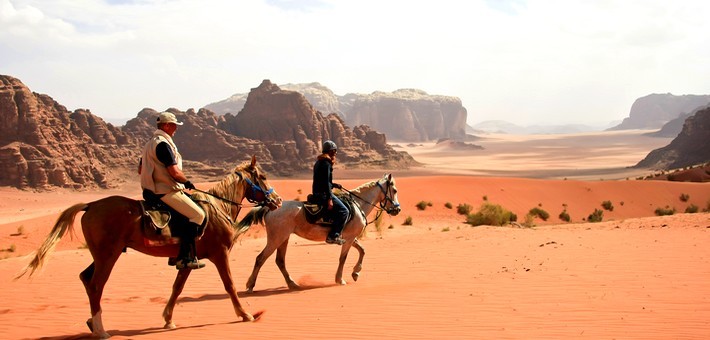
x=632 y=276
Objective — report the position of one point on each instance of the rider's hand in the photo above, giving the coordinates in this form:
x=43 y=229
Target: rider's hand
x=189 y=185
x=330 y=204
x=337 y=186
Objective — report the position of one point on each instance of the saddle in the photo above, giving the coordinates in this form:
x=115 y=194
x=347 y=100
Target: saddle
x=317 y=213
x=158 y=221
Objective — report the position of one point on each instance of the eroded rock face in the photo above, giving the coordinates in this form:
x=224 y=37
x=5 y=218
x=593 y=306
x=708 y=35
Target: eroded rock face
x=44 y=145
x=690 y=147
x=406 y=115
x=655 y=110
x=409 y=115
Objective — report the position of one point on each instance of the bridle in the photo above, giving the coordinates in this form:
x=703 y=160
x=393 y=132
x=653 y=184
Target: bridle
x=383 y=203
x=254 y=187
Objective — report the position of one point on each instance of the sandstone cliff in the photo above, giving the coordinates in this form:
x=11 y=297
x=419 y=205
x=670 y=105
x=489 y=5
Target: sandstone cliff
x=655 y=110
x=406 y=115
x=690 y=147
x=44 y=145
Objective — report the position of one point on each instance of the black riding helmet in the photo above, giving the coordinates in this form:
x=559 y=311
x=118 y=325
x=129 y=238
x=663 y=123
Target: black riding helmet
x=328 y=146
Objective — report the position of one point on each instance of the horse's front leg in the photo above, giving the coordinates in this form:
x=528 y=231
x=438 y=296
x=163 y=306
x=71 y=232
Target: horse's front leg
x=341 y=264
x=178 y=285
x=281 y=263
x=358 y=265
x=221 y=261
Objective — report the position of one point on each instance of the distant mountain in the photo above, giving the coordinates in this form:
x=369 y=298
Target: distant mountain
x=655 y=110
x=690 y=147
x=406 y=114
x=500 y=126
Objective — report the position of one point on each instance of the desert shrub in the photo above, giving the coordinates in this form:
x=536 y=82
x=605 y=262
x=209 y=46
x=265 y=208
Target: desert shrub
x=485 y=197
x=684 y=197
x=664 y=211
x=21 y=230
x=12 y=248
x=448 y=205
x=564 y=216
x=691 y=209
x=391 y=226
x=445 y=229
x=542 y=214
x=463 y=209
x=423 y=204
x=607 y=205
x=408 y=221
x=529 y=221
x=490 y=214
x=596 y=216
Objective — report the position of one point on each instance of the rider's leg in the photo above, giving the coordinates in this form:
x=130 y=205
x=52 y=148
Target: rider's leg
x=339 y=215
x=187 y=207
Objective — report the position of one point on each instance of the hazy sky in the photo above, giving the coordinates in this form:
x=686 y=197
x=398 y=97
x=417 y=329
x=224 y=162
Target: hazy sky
x=524 y=61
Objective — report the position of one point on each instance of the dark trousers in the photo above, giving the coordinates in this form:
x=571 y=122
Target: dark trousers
x=339 y=214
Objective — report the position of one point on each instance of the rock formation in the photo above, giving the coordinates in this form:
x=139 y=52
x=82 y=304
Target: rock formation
x=654 y=110
x=408 y=114
x=690 y=147
x=43 y=145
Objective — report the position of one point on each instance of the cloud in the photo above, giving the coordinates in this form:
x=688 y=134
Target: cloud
x=524 y=61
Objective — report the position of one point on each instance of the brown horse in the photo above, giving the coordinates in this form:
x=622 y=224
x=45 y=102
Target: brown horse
x=114 y=223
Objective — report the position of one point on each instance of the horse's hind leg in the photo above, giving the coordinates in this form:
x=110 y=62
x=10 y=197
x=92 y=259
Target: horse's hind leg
x=178 y=285
x=94 y=278
x=281 y=263
x=358 y=265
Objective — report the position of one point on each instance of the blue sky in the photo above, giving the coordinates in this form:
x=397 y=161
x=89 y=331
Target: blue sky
x=527 y=62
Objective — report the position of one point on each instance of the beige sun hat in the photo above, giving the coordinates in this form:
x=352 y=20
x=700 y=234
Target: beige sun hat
x=168 y=117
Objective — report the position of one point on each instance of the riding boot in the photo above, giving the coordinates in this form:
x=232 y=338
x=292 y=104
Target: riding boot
x=188 y=250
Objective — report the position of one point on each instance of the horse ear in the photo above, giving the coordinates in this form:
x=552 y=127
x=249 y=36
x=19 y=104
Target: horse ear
x=253 y=161
x=389 y=177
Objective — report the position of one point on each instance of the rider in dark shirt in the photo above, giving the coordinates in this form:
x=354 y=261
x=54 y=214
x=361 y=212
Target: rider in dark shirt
x=323 y=191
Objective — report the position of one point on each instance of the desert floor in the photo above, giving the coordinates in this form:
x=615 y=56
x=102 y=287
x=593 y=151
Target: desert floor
x=632 y=276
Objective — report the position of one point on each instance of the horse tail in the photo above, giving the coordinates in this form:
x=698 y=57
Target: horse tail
x=64 y=222
x=255 y=216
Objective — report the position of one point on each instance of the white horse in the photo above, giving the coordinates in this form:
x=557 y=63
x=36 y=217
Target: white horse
x=290 y=218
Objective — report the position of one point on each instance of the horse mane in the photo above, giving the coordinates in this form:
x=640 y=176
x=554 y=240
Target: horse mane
x=222 y=187
x=365 y=186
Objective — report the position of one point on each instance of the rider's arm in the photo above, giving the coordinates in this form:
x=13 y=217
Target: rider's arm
x=167 y=157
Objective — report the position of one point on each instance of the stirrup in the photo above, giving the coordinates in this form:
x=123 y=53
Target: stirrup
x=336 y=240
x=191 y=264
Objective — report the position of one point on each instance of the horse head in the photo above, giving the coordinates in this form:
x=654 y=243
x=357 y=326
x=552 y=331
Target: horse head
x=257 y=188
x=390 y=202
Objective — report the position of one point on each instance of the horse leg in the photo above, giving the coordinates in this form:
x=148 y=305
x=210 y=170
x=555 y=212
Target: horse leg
x=260 y=259
x=94 y=278
x=341 y=264
x=281 y=263
x=221 y=261
x=178 y=285
x=358 y=265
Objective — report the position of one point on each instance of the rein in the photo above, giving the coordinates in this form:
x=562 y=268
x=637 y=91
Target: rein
x=380 y=208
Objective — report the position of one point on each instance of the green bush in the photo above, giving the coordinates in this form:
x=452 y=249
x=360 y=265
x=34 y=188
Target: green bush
x=607 y=205
x=408 y=221
x=665 y=211
x=490 y=214
x=463 y=209
x=565 y=216
x=448 y=205
x=691 y=209
x=542 y=214
x=684 y=197
x=596 y=216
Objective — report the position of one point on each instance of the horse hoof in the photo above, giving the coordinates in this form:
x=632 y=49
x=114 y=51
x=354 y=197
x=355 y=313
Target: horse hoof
x=103 y=335
x=342 y=282
x=90 y=325
x=356 y=276
x=169 y=325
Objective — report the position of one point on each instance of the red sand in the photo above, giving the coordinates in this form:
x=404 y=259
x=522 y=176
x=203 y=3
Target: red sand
x=633 y=276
